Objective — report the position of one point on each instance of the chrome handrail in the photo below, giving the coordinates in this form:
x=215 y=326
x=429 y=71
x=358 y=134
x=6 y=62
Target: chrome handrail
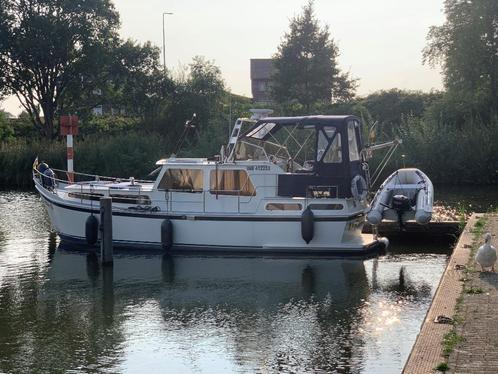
x=168 y=201
x=98 y=177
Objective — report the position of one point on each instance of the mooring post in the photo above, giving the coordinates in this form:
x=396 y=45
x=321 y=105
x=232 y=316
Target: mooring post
x=106 y=230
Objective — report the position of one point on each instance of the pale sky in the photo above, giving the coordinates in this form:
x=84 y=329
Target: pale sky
x=380 y=42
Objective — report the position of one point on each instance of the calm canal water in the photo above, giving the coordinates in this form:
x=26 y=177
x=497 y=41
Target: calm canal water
x=60 y=312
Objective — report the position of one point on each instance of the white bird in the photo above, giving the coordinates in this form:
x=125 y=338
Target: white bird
x=486 y=254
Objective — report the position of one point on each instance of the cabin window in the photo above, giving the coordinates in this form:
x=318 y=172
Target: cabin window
x=329 y=148
x=85 y=196
x=248 y=151
x=354 y=155
x=182 y=180
x=231 y=182
x=121 y=199
x=334 y=154
x=323 y=142
x=284 y=206
x=131 y=199
x=261 y=131
x=326 y=206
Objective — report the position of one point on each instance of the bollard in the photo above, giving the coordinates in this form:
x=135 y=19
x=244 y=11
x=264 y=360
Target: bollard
x=106 y=230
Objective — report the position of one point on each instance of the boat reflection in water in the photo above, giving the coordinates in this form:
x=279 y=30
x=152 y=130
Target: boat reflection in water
x=214 y=313
x=60 y=311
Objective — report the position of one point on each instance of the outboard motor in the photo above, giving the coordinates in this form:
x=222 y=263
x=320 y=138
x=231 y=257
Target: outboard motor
x=401 y=204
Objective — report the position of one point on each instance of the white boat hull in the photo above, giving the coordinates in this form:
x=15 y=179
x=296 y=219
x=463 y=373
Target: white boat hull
x=236 y=233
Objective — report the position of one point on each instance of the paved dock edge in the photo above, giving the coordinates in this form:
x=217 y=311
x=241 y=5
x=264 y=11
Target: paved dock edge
x=427 y=352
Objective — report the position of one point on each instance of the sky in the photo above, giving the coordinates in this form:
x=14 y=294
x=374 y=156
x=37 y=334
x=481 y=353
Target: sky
x=380 y=42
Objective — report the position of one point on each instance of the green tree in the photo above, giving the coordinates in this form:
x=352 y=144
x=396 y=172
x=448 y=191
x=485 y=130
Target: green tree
x=139 y=79
x=389 y=107
x=306 y=69
x=6 y=129
x=129 y=81
x=23 y=127
x=48 y=45
x=199 y=89
x=466 y=46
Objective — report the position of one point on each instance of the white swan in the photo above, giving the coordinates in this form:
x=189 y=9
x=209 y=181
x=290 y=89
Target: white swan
x=486 y=254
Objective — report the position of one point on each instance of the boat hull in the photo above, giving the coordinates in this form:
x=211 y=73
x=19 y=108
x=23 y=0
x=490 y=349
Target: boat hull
x=215 y=232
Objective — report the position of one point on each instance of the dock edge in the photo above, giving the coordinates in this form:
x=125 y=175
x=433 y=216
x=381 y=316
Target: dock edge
x=427 y=351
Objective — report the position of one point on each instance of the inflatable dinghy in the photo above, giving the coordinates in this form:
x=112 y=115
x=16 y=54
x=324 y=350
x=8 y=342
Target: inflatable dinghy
x=406 y=195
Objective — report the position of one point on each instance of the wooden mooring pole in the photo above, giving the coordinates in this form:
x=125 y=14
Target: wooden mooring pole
x=106 y=231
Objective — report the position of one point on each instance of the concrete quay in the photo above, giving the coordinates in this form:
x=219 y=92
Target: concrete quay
x=471 y=299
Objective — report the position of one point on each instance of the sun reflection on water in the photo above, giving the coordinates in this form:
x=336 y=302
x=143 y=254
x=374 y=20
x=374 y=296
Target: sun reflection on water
x=201 y=314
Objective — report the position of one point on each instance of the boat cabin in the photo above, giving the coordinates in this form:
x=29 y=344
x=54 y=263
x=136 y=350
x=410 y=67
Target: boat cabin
x=320 y=155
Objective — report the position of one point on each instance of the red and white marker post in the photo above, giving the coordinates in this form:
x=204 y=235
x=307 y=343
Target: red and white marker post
x=68 y=128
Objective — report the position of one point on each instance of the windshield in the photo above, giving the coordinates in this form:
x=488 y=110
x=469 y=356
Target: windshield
x=291 y=147
x=261 y=131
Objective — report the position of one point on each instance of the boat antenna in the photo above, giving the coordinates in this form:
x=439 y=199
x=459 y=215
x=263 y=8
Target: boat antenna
x=372 y=132
x=190 y=125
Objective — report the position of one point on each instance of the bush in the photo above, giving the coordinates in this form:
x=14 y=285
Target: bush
x=6 y=129
x=452 y=154
x=124 y=155
x=109 y=124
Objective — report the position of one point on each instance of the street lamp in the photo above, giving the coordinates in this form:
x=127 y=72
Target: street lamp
x=164 y=41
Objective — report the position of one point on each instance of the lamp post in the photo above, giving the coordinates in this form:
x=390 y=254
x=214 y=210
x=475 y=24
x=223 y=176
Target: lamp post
x=164 y=41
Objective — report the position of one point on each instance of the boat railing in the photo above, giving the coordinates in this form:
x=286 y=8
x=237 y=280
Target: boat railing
x=78 y=177
x=54 y=184
x=142 y=200
x=84 y=177
x=137 y=196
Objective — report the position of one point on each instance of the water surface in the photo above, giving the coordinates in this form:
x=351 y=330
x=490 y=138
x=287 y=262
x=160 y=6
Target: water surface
x=61 y=312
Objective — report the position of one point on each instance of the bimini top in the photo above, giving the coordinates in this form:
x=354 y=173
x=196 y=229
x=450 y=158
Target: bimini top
x=265 y=127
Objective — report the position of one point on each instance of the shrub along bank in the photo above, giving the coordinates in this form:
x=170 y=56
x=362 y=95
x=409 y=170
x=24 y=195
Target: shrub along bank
x=448 y=154
x=132 y=154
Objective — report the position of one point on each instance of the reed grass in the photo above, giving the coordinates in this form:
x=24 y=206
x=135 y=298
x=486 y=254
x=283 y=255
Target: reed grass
x=125 y=155
x=448 y=154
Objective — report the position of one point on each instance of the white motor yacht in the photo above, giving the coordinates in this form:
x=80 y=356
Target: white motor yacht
x=282 y=184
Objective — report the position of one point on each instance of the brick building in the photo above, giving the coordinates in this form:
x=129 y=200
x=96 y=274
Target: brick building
x=261 y=72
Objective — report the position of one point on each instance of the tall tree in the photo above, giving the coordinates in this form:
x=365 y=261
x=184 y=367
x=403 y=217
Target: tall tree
x=306 y=69
x=129 y=78
x=466 y=46
x=199 y=89
x=47 y=45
